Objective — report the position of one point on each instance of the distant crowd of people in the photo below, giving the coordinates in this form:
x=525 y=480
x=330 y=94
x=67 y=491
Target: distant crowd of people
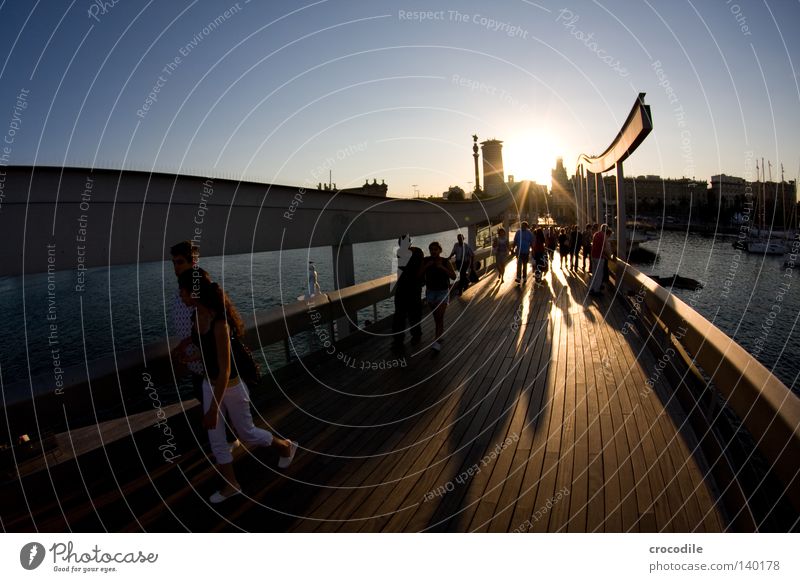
x=575 y=247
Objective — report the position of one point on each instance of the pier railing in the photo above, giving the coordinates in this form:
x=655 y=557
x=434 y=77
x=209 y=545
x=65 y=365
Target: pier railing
x=112 y=386
x=722 y=377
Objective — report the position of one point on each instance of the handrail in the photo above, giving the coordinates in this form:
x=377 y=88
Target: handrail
x=122 y=372
x=767 y=408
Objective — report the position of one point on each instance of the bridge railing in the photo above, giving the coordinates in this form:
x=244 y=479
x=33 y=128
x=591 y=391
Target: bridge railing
x=113 y=386
x=727 y=375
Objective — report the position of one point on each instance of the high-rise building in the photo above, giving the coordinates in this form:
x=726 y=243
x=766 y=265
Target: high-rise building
x=493 y=175
x=563 y=205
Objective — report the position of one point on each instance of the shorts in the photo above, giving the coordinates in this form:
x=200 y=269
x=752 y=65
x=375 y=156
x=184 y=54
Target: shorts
x=436 y=297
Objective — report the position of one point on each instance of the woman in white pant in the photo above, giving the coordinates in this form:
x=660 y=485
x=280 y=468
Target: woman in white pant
x=224 y=393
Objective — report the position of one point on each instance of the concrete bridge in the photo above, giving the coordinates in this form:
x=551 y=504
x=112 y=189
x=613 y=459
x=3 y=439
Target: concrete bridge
x=547 y=410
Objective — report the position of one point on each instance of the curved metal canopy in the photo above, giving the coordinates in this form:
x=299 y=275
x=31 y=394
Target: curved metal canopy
x=636 y=127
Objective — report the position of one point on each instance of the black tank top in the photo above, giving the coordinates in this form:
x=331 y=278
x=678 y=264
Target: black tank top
x=435 y=278
x=207 y=344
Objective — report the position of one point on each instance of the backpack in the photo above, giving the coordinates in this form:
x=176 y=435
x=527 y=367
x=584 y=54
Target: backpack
x=243 y=362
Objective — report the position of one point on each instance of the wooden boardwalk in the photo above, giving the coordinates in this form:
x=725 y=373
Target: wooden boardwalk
x=535 y=417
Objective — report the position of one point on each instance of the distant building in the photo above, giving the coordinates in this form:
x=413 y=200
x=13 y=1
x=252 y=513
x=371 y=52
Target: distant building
x=656 y=195
x=493 y=174
x=533 y=201
x=563 y=207
x=720 y=200
x=367 y=189
x=728 y=190
x=454 y=193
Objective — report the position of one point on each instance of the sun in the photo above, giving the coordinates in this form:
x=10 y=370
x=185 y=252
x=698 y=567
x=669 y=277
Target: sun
x=531 y=155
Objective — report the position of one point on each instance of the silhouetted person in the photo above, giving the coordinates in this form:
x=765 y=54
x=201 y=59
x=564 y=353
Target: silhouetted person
x=464 y=256
x=587 y=246
x=437 y=273
x=500 y=250
x=563 y=248
x=539 y=254
x=575 y=243
x=598 y=250
x=523 y=239
x=407 y=300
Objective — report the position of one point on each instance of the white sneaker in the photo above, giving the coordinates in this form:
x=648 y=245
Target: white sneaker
x=219 y=497
x=436 y=347
x=284 y=462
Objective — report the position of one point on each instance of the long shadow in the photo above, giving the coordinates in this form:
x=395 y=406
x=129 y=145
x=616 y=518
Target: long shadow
x=508 y=382
x=744 y=474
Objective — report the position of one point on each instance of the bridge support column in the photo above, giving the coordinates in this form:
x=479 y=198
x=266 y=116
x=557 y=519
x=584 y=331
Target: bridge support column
x=597 y=201
x=472 y=235
x=344 y=275
x=622 y=233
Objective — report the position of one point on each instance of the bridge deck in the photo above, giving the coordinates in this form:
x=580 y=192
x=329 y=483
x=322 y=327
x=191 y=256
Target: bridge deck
x=534 y=417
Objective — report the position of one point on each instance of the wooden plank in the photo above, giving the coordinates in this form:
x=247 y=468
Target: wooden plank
x=513 y=497
x=665 y=489
x=579 y=490
x=399 y=466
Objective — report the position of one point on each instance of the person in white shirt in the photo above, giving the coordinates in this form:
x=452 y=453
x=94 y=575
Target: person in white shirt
x=464 y=256
x=184 y=256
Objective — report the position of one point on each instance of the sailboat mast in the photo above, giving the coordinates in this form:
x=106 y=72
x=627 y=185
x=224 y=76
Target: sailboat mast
x=783 y=203
x=763 y=198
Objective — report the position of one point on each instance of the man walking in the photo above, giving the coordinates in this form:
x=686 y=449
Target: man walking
x=523 y=239
x=464 y=256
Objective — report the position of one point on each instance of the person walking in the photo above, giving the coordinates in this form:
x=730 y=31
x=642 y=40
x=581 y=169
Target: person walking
x=523 y=239
x=500 y=248
x=539 y=255
x=563 y=247
x=608 y=255
x=407 y=301
x=598 y=250
x=575 y=240
x=464 y=256
x=552 y=241
x=437 y=273
x=216 y=324
x=587 y=246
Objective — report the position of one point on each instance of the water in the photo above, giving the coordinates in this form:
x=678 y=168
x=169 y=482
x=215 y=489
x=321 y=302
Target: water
x=127 y=306
x=753 y=299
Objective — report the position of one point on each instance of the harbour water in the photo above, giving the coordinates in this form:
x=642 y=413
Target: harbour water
x=753 y=299
x=48 y=325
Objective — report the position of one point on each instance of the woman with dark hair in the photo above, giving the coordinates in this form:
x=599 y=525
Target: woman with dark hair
x=437 y=273
x=216 y=323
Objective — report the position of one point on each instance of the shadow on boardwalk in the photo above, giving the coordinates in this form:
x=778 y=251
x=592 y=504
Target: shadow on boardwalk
x=532 y=418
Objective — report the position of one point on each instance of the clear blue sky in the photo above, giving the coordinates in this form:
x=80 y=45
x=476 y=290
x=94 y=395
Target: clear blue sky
x=282 y=91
